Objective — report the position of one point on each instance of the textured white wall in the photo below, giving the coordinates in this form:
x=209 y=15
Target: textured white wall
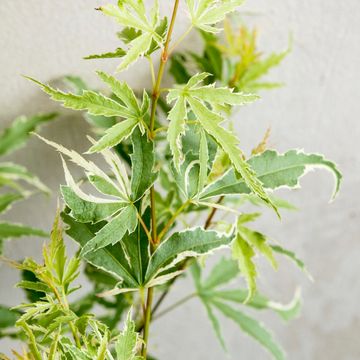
x=318 y=110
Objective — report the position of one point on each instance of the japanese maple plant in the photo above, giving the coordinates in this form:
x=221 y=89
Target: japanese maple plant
x=150 y=212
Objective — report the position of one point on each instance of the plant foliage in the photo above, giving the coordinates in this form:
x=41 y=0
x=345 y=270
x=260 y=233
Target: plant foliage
x=166 y=159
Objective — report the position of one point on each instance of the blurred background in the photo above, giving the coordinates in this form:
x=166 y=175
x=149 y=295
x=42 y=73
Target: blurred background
x=318 y=110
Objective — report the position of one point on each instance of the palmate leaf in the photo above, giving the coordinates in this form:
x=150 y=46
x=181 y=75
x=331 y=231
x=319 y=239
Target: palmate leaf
x=95 y=103
x=111 y=259
x=213 y=297
x=124 y=105
x=116 y=206
x=19 y=131
x=275 y=171
x=253 y=328
x=126 y=262
x=205 y=14
x=124 y=129
x=127 y=343
x=246 y=244
x=145 y=31
x=260 y=302
x=198 y=97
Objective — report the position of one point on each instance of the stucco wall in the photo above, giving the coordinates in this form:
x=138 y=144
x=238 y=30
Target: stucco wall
x=318 y=110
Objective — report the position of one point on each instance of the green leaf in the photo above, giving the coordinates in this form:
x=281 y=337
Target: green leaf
x=275 y=171
x=113 y=231
x=287 y=311
x=121 y=186
x=9 y=230
x=210 y=121
x=34 y=286
x=139 y=47
x=203 y=162
x=142 y=163
x=198 y=97
x=181 y=245
x=144 y=31
x=214 y=322
x=128 y=341
x=74 y=353
x=115 y=135
x=292 y=256
x=94 y=103
x=118 y=53
x=76 y=83
x=7 y=199
x=252 y=328
x=122 y=91
x=244 y=253
x=205 y=14
x=223 y=272
x=10 y=172
x=210 y=294
x=124 y=129
x=8 y=317
x=248 y=81
x=15 y=136
x=196 y=274
x=178 y=69
x=111 y=259
x=259 y=242
x=86 y=211
x=177 y=117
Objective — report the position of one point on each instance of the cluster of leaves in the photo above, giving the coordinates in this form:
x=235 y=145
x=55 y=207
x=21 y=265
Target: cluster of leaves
x=47 y=321
x=14 y=176
x=167 y=166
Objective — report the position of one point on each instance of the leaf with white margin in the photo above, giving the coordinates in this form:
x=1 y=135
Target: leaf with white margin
x=88 y=211
x=176 y=130
x=184 y=244
x=205 y=14
x=113 y=232
x=287 y=311
x=127 y=343
x=115 y=135
x=132 y=14
x=142 y=164
x=275 y=171
x=204 y=101
x=95 y=103
x=244 y=254
x=203 y=162
x=253 y=328
x=111 y=259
